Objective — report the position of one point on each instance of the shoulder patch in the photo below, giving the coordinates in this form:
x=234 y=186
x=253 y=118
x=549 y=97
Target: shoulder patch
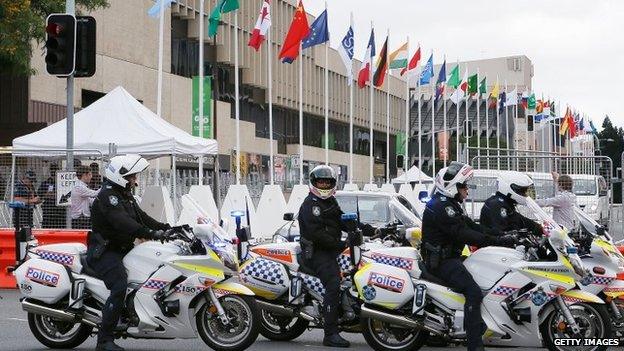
x=316 y=211
x=500 y=199
x=450 y=211
x=442 y=198
x=113 y=200
x=503 y=212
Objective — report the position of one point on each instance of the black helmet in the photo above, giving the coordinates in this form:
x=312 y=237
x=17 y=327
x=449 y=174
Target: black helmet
x=323 y=172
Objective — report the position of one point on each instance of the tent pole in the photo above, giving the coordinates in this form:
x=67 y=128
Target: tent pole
x=216 y=184
x=174 y=184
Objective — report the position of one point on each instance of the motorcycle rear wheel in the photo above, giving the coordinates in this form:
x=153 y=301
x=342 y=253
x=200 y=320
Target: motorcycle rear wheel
x=281 y=328
x=57 y=334
x=378 y=335
x=242 y=330
x=593 y=319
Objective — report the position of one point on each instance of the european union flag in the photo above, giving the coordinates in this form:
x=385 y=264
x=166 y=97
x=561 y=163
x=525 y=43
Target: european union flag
x=154 y=11
x=318 y=32
x=427 y=72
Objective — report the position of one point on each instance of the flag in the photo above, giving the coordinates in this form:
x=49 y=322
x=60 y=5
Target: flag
x=472 y=84
x=502 y=98
x=494 y=95
x=398 y=58
x=460 y=92
x=382 y=64
x=154 y=11
x=531 y=103
x=551 y=104
x=427 y=73
x=441 y=81
x=224 y=6
x=482 y=86
x=525 y=99
x=318 y=32
x=262 y=26
x=547 y=108
x=413 y=63
x=453 y=80
x=572 y=125
x=581 y=125
x=512 y=98
x=346 y=53
x=591 y=125
x=367 y=63
x=565 y=124
x=539 y=107
x=298 y=30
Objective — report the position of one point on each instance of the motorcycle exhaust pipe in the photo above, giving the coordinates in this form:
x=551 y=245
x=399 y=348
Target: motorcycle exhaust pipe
x=54 y=313
x=390 y=318
x=277 y=309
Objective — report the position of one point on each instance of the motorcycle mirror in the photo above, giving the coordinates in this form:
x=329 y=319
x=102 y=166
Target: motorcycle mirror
x=423 y=196
x=289 y=216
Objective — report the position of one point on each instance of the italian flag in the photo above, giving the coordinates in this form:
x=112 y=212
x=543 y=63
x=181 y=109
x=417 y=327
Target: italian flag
x=460 y=92
x=398 y=58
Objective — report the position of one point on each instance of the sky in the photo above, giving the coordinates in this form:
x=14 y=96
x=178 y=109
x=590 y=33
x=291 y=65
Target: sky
x=576 y=46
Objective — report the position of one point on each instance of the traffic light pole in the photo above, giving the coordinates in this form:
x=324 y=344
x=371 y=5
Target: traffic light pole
x=70 y=8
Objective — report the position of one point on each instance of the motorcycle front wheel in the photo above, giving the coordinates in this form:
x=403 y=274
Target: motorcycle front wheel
x=57 y=334
x=382 y=336
x=240 y=331
x=593 y=320
x=281 y=328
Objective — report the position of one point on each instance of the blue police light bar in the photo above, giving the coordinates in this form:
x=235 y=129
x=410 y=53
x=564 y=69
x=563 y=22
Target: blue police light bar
x=237 y=214
x=349 y=216
x=17 y=204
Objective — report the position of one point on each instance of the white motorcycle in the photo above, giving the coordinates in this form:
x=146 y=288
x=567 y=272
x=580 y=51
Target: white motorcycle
x=528 y=302
x=603 y=259
x=177 y=289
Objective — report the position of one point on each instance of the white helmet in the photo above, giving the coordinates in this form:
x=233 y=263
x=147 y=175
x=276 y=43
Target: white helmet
x=323 y=172
x=120 y=167
x=450 y=177
x=514 y=185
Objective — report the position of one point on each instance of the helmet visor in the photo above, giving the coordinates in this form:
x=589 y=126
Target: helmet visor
x=520 y=190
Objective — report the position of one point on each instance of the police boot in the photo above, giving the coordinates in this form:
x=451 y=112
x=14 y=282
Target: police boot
x=335 y=340
x=108 y=346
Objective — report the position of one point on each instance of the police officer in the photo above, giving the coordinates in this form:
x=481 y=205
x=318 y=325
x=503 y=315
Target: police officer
x=499 y=211
x=321 y=231
x=446 y=230
x=116 y=222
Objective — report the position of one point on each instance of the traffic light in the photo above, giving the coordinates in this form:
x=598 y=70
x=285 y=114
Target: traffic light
x=85 y=46
x=399 y=161
x=530 y=121
x=60 y=44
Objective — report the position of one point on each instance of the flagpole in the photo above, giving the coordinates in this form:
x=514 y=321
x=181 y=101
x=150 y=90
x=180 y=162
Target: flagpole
x=161 y=26
x=478 y=121
x=351 y=116
x=467 y=136
x=433 y=173
x=300 y=114
x=200 y=178
x=487 y=126
x=387 y=109
x=372 y=96
x=506 y=121
x=498 y=128
x=445 y=141
x=457 y=120
x=407 y=114
x=326 y=98
x=526 y=140
x=237 y=99
x=516 y=134
x=270 y=92
x=419 y=126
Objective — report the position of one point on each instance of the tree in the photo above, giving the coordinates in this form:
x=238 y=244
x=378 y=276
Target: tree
x=612 y=149
x=22 y=22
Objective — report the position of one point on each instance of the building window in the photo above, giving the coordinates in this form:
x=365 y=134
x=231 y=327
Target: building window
x=514 y=64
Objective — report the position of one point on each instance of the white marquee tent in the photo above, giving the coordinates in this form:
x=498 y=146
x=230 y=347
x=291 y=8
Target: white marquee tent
x=116 y=118
x=413 y=175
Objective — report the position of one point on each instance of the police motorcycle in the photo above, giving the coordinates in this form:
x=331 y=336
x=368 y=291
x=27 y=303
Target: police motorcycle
x=600 y=255
x=290 y=296
x=528 y=302
x=184 y=286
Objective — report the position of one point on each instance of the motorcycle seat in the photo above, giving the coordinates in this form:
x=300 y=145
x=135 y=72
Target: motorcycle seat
x=86 y=269
x=302 y=266
x=426 y=275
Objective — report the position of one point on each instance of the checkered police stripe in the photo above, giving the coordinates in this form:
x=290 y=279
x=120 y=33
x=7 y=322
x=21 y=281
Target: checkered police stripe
x=57 y=257
x=312 y=283
x=264 y=270
x=155 y=284
x=602 y=280
x=613 y=290
x=344 y=261
x=504 y=290
x=571 y=299
x=394 y=261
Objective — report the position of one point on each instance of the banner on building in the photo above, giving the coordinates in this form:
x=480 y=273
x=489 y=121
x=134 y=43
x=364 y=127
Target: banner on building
x=207 y=108
x=400 y=144
x=443 y=144
x=65 y=182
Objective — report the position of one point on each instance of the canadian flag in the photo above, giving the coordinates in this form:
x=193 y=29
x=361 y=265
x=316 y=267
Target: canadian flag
x=365 y=75
x=460 y=92
x=262 y=26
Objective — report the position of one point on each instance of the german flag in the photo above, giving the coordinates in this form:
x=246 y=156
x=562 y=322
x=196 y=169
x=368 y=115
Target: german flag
x=382 y=65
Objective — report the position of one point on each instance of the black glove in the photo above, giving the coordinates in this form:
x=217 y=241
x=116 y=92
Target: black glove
x=165 y=226
x=351 y=225
x=159 y=235
x=506 y=241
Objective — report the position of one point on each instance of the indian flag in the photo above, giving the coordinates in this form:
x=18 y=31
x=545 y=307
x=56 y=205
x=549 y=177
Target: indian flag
x=398 y=58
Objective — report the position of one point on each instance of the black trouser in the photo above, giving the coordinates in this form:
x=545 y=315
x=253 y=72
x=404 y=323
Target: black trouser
x=453 y=272
x=327 y=270
x=111 y=270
